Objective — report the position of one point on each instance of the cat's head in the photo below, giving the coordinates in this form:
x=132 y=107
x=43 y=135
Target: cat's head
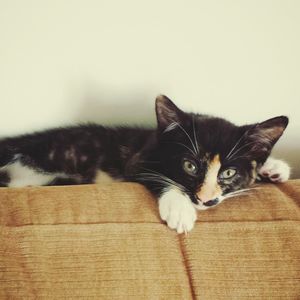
x=210 y=158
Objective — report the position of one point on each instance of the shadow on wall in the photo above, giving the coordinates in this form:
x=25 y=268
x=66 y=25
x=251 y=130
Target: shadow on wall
x=123 y=108
x=117 y=109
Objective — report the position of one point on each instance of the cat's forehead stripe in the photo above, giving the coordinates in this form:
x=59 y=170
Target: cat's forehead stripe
x=213 y=169
x=215 y=162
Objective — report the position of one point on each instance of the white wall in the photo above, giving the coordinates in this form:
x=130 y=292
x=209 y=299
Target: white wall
x=64 y=61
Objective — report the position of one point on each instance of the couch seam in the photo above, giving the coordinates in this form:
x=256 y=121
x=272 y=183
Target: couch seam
x=286 y=193
x=158 y=223
x=186 y=265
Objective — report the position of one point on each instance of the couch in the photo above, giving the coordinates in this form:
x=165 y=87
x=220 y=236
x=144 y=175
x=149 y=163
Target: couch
x=108 y=242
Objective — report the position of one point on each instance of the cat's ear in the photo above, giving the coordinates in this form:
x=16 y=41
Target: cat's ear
x=167 y=112
x=262 y=137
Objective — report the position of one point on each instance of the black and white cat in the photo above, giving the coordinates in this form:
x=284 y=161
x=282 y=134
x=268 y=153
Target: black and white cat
x=190 y=161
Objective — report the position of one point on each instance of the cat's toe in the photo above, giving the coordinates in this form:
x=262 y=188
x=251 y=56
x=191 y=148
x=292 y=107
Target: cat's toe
x=186 y=222
x=178 y=213
x=275 y=170
x=174 y=219
x=182 y=220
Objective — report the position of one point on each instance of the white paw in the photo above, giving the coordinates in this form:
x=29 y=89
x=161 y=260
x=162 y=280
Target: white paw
x=275 y=170
x=177 y=210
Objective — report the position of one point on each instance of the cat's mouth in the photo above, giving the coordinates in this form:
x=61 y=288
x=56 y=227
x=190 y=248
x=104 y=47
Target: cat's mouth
x=212 y=202
x=200 y=205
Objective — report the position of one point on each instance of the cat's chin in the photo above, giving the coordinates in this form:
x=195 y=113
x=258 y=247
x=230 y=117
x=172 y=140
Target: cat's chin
x=200 y=206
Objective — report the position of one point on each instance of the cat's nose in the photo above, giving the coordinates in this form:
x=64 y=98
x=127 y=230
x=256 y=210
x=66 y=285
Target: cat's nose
x=211 y=202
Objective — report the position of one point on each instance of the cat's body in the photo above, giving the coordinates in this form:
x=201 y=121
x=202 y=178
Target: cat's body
x=74 y=155
x=189 y=161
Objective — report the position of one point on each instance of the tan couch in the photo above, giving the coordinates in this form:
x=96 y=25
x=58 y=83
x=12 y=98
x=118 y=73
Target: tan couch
x=107 y=242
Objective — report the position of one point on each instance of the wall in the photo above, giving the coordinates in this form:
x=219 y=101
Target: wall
x=67 y=61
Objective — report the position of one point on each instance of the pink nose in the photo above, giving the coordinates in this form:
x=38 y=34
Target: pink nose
x=208 y=202
x=205 y=198
x=208 y=193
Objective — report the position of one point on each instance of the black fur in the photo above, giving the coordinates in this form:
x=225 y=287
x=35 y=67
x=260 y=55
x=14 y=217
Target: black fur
x=153 y=157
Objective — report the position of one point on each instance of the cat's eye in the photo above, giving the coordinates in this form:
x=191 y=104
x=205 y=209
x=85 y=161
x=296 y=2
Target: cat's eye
x=189 y=167
x=228 y=173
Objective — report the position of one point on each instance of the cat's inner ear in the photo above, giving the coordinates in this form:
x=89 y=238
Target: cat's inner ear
x=263 y=136
x=167 y=112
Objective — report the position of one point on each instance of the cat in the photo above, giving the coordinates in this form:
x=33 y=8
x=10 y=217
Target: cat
x=189 y=162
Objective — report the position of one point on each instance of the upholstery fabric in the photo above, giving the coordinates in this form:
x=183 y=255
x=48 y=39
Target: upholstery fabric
x=108 y=242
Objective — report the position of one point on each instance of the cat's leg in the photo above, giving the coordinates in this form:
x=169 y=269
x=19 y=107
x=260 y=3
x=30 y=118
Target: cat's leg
x=71 y=181
x=177 y=210
x=7 y=156
x=275 y=170
x=18 y=170
x=36 y=160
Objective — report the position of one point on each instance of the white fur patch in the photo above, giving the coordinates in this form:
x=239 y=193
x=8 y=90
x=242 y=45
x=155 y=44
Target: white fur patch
x=21 y=175
x=103 y=177
x=177 y=210
x=276 y=170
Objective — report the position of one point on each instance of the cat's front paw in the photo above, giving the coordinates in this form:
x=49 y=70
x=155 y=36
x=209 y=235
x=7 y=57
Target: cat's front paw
x=275 y=170
x=177 y=210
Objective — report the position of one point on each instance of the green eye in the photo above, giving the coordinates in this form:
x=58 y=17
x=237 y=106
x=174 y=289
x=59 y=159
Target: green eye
x=189 y=167
x=228 y=173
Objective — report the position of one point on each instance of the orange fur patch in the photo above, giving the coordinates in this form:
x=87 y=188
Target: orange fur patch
x=210 y=188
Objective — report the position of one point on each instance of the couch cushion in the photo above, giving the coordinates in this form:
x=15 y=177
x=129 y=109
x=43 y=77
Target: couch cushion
x=108 y=242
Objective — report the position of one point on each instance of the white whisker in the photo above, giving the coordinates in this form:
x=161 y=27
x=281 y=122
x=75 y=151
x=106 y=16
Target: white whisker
x=195 y=137
x=153 y=177
x=170 y=127
x=237 y=157
x=243 y=190
x=195 y=154
x=240 y=192
x=235 y=195
x=237 y=143
x=239 y=149
x=156 y=176
x=187 y=136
